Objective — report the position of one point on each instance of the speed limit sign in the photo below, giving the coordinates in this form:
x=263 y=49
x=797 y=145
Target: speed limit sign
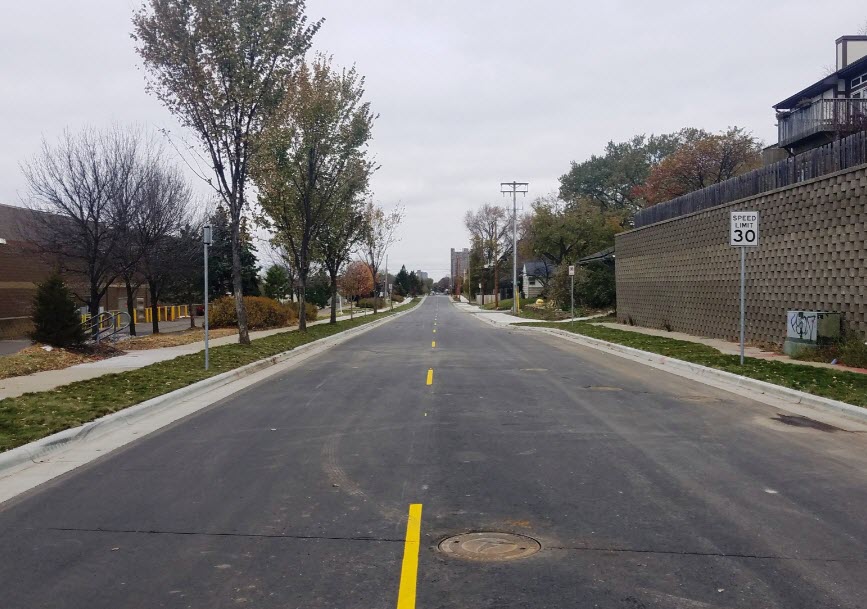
x=744 y=228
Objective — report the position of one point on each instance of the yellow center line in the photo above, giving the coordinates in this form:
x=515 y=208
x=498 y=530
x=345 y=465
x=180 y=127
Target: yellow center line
x=433 y=344
x=430 y=376
x=435 y=330
x=409 y=569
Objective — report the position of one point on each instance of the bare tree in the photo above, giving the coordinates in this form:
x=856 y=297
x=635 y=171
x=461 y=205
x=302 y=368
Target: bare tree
x=222 y=68
x=87 y=184
x=490 y=225
x=380 y=233
x=159 y=220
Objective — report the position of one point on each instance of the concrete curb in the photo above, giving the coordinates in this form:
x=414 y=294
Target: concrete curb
x=38 y=449
x=704 y=374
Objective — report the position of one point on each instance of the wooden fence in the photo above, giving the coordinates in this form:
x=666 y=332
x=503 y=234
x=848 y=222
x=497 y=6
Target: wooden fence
x=841 y=154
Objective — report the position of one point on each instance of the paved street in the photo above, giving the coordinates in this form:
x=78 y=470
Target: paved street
x=645 y=490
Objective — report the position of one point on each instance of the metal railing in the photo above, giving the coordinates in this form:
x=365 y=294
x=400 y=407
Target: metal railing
x=841 y=116
x=105 y=325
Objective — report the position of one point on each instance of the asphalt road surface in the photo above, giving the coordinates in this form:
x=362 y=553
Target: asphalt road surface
x=643 y=490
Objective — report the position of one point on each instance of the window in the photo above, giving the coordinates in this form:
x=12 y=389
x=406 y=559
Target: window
x=532 y=280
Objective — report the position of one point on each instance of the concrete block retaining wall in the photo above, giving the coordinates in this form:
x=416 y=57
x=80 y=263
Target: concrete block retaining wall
x=683 y=275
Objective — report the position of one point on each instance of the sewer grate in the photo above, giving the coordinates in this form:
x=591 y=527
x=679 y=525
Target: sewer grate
x=490 y=546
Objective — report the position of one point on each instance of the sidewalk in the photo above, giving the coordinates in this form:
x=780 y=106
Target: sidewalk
x=43 y=381
x=501 y=317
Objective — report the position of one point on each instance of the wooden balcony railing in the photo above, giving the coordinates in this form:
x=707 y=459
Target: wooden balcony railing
x=841 y=116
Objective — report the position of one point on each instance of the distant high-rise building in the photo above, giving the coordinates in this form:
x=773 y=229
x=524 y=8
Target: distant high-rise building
x=421 y=275
x=460 y=263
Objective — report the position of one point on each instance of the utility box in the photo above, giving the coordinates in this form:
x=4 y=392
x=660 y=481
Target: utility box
x=810 y=329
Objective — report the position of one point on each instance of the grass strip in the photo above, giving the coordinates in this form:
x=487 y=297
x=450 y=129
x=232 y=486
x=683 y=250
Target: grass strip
x=32 y=416
x=849 y=387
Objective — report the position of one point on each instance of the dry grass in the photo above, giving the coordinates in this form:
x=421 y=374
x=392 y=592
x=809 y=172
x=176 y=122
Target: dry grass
x=36 y=359
x=173 y=339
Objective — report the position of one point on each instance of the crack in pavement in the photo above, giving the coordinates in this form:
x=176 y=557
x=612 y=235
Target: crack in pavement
x=211 y=534
x=706 y=554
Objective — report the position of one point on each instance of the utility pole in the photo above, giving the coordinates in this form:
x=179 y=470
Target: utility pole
x=515 y=188
x=207 y=234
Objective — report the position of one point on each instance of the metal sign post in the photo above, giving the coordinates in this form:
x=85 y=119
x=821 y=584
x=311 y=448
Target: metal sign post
x=572 y=292
x=744 y=233
x=206 y=240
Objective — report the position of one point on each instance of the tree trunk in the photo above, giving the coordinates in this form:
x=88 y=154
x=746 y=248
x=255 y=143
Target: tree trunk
x=155 y=323
x=375 y=291
x=496 y=283
x=192 y=316
x=333 y=298
x=130 y=305
x=93 y=308
x=302 y=301
x=237 y=286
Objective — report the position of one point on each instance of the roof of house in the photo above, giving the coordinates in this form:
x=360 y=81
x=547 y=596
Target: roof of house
x=817 y=88
x=538 y=268
x=606 y=255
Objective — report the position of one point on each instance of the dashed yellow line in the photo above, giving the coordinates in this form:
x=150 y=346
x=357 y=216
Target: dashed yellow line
x=433 y=344
x=430 y=376
x=409 y=569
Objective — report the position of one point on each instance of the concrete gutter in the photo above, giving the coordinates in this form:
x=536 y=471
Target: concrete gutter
x=762 y=391
x=166 y=408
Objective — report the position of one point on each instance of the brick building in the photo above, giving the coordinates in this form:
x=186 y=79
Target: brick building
x=22 y=267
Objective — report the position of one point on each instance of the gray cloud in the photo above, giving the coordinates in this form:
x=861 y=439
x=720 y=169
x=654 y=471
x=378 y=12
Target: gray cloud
x=469 y=92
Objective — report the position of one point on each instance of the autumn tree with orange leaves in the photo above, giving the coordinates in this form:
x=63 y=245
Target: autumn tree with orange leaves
x=357 y=280
x=700 y=162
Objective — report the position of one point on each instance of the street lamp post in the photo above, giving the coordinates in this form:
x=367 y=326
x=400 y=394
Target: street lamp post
x=207 y=236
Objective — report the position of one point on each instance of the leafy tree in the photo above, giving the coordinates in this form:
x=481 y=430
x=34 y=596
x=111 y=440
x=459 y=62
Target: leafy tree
x=559 y=235
x=319 y=288
x=222 y=68
x=356 y=281
x=317 y=137
x=55 y=315
x=701 y=162
x=415 y=285
x=220 y=273
x=277 y=282
x=443 y=284
x=401 y=282
x=610 y=180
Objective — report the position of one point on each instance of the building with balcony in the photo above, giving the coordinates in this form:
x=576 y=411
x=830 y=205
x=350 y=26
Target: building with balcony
x=831 y=108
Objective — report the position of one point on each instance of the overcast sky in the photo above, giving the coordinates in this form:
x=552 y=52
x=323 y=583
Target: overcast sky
x=470 y=93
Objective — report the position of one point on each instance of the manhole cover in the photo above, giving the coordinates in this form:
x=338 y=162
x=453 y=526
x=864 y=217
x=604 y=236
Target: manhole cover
x=490 y=546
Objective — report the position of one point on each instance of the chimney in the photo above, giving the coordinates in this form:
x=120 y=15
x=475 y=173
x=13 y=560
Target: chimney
x=850 y=49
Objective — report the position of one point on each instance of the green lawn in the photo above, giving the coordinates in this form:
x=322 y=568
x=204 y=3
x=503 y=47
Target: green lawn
x=36 y=415
x=849 y=387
